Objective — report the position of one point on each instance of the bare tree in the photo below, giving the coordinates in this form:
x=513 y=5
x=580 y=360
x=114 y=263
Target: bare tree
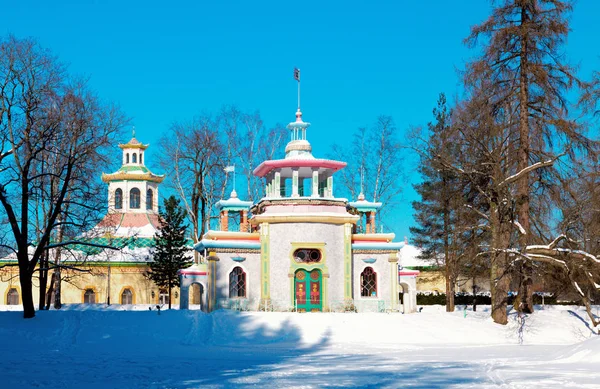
x=375 y=161
x=193 y=153
x=54 y=134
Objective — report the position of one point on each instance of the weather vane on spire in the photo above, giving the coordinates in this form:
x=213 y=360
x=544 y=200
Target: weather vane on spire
x=133 y=131
x=297 y=78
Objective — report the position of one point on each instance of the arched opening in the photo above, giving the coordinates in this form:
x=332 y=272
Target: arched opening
x=404 y=297
x=127 y=158
x=141 y=159
x=134 y=158
x=12 y=297
x=89 y=297
x=134 y=198
x=368 y=283
x=196 y=296
x=149 y=199
x=118 y=199
x=237 y=283
x=127 y=297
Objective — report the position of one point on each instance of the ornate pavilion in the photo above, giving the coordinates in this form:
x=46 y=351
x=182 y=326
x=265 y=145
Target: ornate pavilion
x=301 y=249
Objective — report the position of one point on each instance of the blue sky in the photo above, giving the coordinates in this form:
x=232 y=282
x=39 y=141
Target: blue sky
x=167 y=61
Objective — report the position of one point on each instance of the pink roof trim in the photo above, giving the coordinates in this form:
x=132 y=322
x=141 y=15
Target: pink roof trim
x=409 y=273
x=264 y=168
x=193 y=272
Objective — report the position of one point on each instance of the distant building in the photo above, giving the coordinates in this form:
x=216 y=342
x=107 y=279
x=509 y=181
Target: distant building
x=111 y=276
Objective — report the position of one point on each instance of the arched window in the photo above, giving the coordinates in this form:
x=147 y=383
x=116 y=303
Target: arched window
x=118 y=199
x=134 y=158
x=127 y=296
x=89 y=297
x=368 y=283
x=237 y=283
x=141 y=158
x=134 y=198
x=127 y=158
x=12 y=298
x=149 y=198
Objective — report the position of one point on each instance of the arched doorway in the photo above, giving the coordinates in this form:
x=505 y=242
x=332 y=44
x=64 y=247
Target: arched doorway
x=404 y=297
x=308 y=290
x=196 y=296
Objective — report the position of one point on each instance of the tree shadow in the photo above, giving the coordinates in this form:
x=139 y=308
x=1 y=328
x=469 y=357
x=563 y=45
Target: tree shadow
x=584 y=321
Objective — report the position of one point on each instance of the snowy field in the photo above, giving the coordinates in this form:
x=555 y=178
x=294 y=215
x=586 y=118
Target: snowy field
x=98 y=347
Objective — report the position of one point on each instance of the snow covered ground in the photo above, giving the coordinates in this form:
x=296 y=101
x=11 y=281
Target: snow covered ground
x=97 y=347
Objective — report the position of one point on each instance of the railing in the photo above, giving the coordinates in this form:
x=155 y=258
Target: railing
x=340 y=306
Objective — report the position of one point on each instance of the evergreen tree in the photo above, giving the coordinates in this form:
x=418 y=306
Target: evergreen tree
x=170 y=249
x=434 y=213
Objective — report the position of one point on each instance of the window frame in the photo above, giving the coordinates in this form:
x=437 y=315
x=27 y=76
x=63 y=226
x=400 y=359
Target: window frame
x=11 y=294
x=370 y=284
x=238 y=286
x=149 y=196
x=132 y=197
x=86 y=295
x=119 y=198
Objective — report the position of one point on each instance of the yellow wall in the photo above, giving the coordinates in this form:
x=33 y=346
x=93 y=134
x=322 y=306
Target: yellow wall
x=97 y=279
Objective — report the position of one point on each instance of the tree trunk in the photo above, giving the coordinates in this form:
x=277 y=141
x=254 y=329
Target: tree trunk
x=499 y=278
x=27 y=293
x=474 y=296
x=57 y=289
x=43 y=270
x=525 y=292
x=50 y=290
x=449 y=261
x=170 y=296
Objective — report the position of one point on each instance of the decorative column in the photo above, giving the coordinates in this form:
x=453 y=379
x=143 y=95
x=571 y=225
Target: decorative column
x=265 y=268
x=244 y=223
x=277 y=182
x=372 y=222
x=295 y=182
x=348 y=262
x=367 y=224
x=315 y=183
x=211 y=298
x=393 y=260
x=224 y=220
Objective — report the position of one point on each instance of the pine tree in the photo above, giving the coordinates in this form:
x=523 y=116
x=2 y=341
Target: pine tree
x=170 y=247
x=434 y=213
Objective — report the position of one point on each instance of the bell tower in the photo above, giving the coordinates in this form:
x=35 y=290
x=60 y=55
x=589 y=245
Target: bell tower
x=133 y=188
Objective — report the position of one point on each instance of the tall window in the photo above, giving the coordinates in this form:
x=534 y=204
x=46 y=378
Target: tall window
x=149 y=198
x=127 y=296
x=237 y=283
x=163 y=297
x=89 y=297
x=127 y=158
x=134 y=198
x=134 y=158
x=118 y=199
x=368 y=283
x=12 y=298
x=141 y=158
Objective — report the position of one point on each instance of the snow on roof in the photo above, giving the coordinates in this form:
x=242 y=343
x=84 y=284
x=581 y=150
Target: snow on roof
x=409 y=257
